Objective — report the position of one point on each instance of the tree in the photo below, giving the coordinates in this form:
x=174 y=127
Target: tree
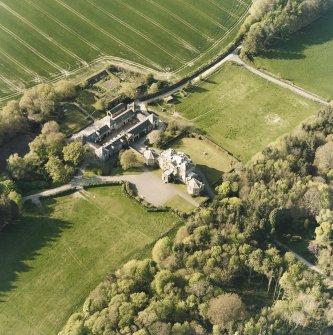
x=227 y=189
x=153 y=88
x=74 y=153
x=129 y=160
x=129 y=89
x=272 y=20
x=9 y=211
x=12 y=120
x=324 y=157
x=161 y=251
x=17 y=167
x=64 y=89
x=50 y=127
x=74 y=325
x=39 y=101
x=57 y=170
x=154 y=137
x=17 y=198
x=280 y=220
x=49 y=143
x=225 y=309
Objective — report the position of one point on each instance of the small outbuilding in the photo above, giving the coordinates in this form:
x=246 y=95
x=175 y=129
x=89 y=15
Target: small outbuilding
x=169 y=99
x=150 y=157
x=194 y=186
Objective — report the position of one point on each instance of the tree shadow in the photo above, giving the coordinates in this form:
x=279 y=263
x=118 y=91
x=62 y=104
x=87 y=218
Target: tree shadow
x=22 y=242
x=198 y=89
x=317 y=33
x=211 y=174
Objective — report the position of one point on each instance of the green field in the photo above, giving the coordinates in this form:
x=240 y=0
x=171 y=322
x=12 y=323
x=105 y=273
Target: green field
x=59 y=253
x=243 y=112
x=45 y=39
x=211 y=161
x=306 y=58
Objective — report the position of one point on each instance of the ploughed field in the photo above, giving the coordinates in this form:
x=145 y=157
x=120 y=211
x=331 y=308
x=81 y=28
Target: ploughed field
x=61 y=251
x=306 y=58
x=45 y=39
x=241 y=111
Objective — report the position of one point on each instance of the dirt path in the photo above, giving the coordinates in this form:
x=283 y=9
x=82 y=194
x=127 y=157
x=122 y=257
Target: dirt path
x=309 y=265
x=205 y=74
x=84 y=111
x=291 y=87
x=149 y=186
x=233 y=56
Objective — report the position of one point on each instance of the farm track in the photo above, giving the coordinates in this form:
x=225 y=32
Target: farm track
x=23 y=67
x=81 y=38
x=181 y=41
x=217 y=42
x=104 y=58
x=114 y=60
x=46 y=36
x=136 y=31
x=223 y=8
x=28 y=46
x=179 y=19
x=206 y=16
x=295 y=89
x=106 y=33
x=10 y=83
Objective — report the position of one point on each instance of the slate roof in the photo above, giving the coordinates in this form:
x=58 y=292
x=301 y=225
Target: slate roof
x=122 y=117
x=114 y=145
x=117 y=108
x=103 y=129
x=139 y=127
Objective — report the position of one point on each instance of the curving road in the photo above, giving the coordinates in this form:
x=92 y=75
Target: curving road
x=149 y=186
x=234 y=57
x=296 y=89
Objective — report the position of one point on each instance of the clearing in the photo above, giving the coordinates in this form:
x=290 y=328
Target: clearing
x=306 y=58
x=64 y=249
x=241 y=111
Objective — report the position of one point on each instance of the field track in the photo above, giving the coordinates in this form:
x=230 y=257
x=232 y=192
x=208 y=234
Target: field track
x=46 y=40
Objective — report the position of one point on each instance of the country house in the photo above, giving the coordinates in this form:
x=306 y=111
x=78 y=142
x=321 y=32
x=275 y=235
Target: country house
x=123 y=125
x=175 y=166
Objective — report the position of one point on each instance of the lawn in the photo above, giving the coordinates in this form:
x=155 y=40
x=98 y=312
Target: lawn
x=211 y=161
x=306 y=58
x=243 y=112
x=53 y=258
x=46 y=39
x=73 y=119
x=180 y=204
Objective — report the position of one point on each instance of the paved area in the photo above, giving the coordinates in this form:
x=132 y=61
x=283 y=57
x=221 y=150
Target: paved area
x=149 y=186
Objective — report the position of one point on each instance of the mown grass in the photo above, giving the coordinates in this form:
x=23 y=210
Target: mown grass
x=306 y=58
x=243 y=112
x=166 y=36
x=73 y=119
x=58 y=253
x=211 y=161
x=179 y=203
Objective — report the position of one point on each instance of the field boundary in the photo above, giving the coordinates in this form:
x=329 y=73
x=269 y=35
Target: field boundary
x=134 y=66
x=217 y=146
